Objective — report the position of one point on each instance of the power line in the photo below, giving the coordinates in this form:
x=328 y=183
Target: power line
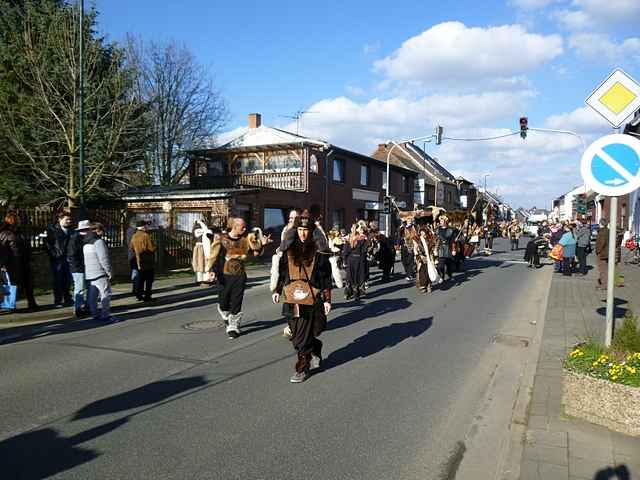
x=481 y=139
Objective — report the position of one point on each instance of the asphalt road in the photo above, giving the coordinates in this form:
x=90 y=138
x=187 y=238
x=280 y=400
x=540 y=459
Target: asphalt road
x=148 y=398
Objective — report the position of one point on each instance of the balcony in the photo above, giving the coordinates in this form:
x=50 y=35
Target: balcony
x=292 y=181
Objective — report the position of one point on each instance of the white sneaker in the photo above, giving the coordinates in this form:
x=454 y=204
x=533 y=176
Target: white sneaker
x=233 y=327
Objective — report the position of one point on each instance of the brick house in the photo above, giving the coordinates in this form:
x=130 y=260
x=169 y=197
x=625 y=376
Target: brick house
x=264 y=172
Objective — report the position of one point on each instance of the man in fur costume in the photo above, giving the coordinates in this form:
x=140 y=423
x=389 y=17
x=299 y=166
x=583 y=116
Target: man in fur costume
x=228 y=255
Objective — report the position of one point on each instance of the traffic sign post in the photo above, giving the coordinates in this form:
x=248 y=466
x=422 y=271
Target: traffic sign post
x=611 y=166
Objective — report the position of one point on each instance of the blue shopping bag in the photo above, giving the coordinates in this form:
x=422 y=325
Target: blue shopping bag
x=10 y=293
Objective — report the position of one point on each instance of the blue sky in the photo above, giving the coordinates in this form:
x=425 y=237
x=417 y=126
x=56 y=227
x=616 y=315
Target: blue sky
x=390 y=70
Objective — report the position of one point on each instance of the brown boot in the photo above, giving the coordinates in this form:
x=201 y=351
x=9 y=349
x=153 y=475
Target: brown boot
x=302 y=368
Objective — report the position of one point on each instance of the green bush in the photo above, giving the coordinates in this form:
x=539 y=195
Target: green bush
x=627 y=338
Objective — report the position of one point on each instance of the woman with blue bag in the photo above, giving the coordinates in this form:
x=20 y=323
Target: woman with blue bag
x=15 y=264
x=568 y=242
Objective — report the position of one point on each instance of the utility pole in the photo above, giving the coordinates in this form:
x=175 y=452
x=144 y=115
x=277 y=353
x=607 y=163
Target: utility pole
x=81 y=113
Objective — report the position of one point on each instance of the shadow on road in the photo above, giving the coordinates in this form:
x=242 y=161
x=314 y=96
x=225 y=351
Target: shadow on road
x=42 y=453
x=377 y=340
x=146 y=395
x=368 y=310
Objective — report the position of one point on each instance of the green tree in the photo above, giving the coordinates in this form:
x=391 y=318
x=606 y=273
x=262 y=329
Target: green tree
x=39 y=103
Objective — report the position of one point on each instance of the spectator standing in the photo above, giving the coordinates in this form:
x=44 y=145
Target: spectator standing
x=568 y=242
x=98 y=273
x=56 y=244
x=583 y=244
x=15 y=257
x=602 y=252
x=144 y=250
x=131 y=257
x=75 y=257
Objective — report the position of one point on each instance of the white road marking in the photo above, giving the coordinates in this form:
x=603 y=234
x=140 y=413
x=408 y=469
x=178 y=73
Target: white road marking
x=613 y=163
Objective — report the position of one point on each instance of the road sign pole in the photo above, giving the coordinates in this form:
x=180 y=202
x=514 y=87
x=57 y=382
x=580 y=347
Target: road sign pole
x=611 y=270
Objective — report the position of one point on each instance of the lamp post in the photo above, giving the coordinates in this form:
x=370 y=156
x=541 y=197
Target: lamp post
x=81 y=112
x=388 y=215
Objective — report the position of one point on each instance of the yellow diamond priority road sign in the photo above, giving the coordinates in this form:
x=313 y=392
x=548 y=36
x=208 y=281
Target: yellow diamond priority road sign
x=616 y=98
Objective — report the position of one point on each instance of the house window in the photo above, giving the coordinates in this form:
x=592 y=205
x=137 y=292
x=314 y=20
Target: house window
x=274 y=220
x=247 y=164
x=364 y=175
x=215 y=168
x=284 y=162
x=405 y=184
x=338 y=170
x=337 y=218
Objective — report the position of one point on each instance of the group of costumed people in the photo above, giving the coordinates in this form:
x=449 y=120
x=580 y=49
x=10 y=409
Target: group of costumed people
x=310 y=261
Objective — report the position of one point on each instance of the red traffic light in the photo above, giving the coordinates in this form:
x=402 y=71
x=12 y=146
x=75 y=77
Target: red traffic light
x=524 y=126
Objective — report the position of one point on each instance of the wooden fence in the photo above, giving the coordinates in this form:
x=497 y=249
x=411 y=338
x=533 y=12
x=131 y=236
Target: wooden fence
x=175 y=247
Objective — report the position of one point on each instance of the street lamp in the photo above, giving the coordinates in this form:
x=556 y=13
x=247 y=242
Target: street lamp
x=485 y=182
x=388 y=215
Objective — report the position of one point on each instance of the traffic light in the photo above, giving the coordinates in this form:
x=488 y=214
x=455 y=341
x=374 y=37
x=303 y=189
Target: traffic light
x=581 y=204
x=524 y=126
x=386 y=205
x=439 y=131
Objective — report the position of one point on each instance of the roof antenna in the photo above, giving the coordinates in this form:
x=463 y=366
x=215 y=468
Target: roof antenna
x=296 y=116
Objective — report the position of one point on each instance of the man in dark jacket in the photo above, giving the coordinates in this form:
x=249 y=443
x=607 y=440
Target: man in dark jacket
x=583 y=242
x=75 y=258
x=57 y=243
x=15 y=258
x=445 y=237
x=602 y=252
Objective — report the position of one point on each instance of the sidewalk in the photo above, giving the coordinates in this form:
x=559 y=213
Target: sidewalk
x=556 y=446
x=166 y=291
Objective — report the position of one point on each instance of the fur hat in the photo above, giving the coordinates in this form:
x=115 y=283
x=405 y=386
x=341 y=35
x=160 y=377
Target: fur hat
x=305 y=222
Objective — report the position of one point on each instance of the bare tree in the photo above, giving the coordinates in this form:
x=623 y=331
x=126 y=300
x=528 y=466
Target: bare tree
x=41 y=121
x=184 y=108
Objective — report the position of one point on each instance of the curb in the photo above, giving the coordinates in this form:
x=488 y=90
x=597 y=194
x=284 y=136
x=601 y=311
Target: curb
x=520 y=415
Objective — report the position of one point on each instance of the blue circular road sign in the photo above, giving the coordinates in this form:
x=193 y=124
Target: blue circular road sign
x=611 y=165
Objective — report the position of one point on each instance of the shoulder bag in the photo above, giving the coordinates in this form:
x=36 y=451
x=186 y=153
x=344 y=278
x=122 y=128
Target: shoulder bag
x=299 y=291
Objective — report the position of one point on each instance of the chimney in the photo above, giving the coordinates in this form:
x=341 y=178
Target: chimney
x=255 y=120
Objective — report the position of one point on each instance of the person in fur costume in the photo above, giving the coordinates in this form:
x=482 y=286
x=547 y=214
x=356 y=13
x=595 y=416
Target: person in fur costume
x=304 y=284
x=354 y=257
x=227 y=259
x=203 y=237
x=423 y=246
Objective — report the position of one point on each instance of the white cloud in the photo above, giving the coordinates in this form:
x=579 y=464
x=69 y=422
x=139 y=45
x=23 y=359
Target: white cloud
x=360 y=126
x=530 y=4
x=585 y=121
x=590 y=14
x=453 y=54
x=599 y=46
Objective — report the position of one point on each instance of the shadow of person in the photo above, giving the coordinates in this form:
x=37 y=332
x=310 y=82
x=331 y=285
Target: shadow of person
x=621 y=472
x=377 y=340
x=42 y=453
x=146 y=395
x=368 y=310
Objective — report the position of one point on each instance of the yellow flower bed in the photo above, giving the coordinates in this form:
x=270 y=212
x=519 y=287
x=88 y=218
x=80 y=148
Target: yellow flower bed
x=613 y=366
